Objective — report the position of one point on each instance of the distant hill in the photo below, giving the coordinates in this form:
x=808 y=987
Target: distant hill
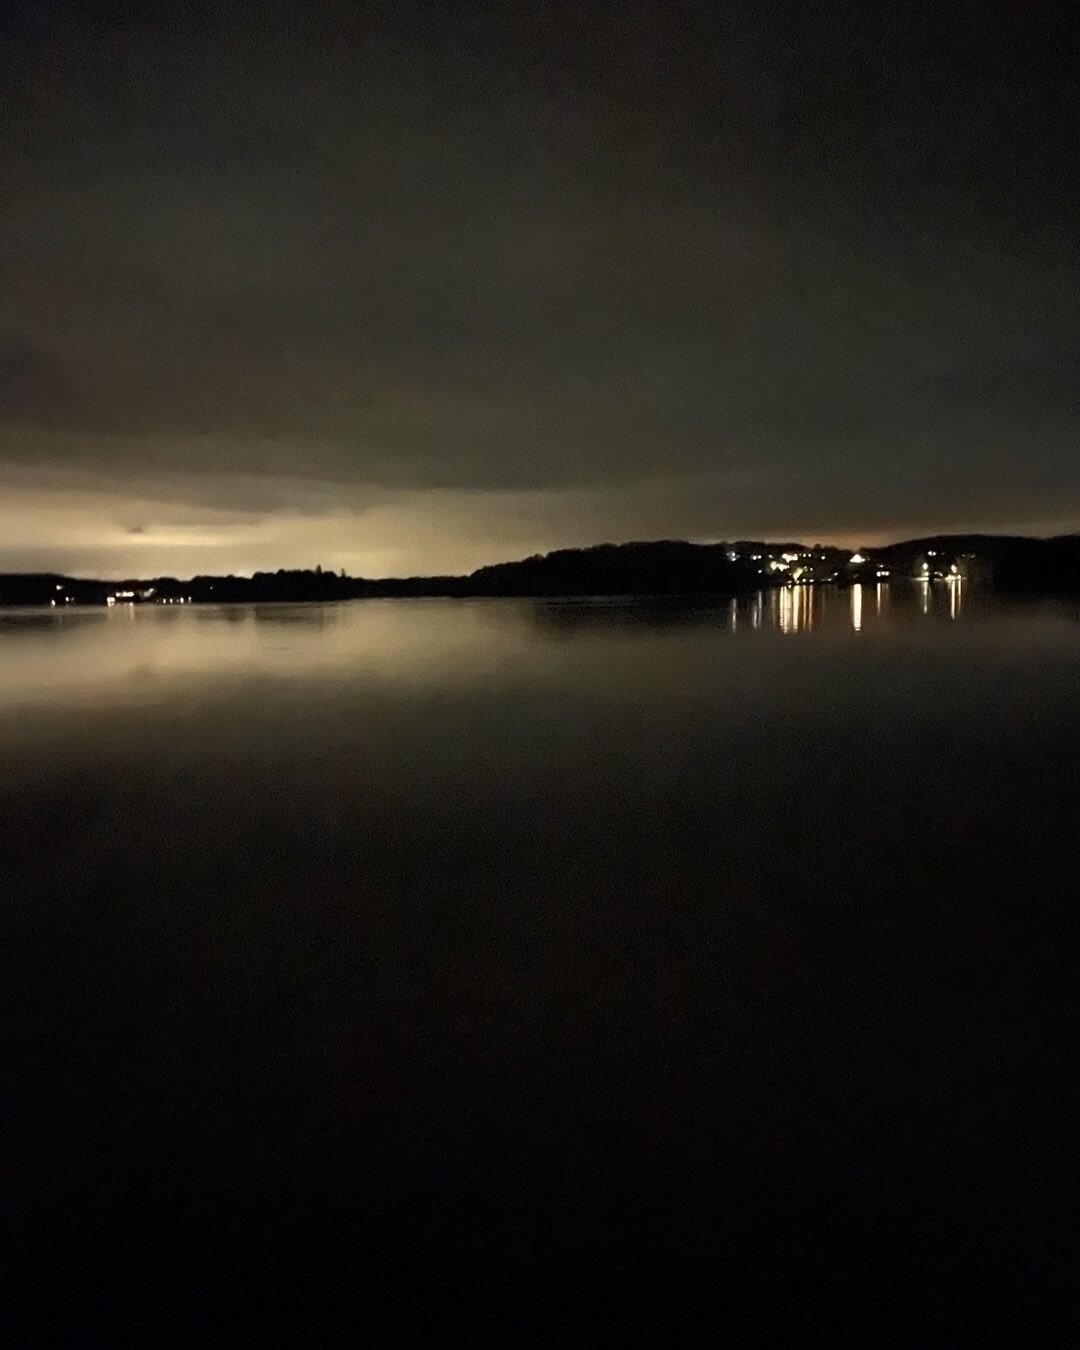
x=667 y=567
x=1009 y=562
x=656 y=568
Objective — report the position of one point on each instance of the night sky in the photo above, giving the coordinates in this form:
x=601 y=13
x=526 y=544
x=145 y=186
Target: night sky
x=418 y=287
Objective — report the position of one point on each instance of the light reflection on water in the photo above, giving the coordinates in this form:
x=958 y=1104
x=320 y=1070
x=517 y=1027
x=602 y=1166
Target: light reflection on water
x=794 y=609
x=133 y=653
x=856 y=607
x=956 y=596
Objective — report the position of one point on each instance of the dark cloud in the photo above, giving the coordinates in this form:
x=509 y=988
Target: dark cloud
x=36 y=387
x=814 y=262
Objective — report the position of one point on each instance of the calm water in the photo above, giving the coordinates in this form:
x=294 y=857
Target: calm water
x=558 y=958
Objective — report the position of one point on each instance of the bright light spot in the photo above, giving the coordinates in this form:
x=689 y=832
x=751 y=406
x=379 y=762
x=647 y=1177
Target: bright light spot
x=856 y=608
x=857 y=558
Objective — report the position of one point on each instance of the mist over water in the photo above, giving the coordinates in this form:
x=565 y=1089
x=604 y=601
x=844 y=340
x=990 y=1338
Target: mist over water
x=573 y=954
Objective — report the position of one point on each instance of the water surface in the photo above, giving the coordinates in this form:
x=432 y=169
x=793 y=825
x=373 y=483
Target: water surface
x=567 y=956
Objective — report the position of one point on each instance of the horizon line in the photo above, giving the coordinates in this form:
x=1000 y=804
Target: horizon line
x=778 y=541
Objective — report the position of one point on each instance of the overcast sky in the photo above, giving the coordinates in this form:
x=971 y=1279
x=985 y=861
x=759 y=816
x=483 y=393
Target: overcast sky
x=441 y=285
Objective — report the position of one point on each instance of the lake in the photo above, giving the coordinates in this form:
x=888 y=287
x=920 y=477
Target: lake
x=568 y=962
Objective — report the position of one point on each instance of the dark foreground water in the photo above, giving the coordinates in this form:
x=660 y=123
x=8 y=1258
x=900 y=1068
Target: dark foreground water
x=402 y=966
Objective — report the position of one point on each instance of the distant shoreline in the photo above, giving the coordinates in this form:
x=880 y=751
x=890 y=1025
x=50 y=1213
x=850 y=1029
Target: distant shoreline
x=664 y=569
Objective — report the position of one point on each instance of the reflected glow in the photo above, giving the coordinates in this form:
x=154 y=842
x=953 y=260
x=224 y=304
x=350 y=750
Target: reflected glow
x=956 y=587
x=795 y=609
x=856 y=608
x=69 y=657
x=137 y=654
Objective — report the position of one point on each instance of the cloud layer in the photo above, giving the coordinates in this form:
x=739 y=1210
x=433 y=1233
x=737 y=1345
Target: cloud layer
x=495 y=282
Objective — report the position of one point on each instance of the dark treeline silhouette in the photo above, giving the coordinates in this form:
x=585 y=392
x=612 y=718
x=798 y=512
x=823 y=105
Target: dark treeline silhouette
x=1009 y=562
x=665 y=568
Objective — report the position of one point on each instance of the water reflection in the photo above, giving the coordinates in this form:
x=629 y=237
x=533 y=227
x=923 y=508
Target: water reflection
x=310 y=616
x=17 y=623
x=955 y=586
x=795 y=609
x=856 y=608
x=558 y=617
x=131 y=654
